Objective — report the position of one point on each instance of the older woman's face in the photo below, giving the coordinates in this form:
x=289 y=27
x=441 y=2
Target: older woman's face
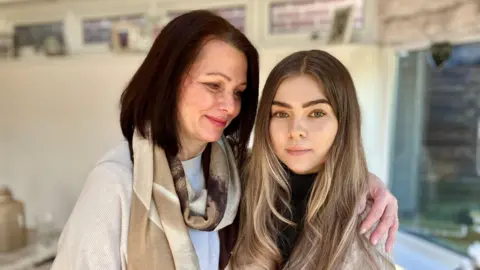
x=210 y=97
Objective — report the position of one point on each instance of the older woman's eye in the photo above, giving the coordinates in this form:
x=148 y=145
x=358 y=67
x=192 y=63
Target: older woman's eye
x=239 y=94
x=280 y=114
x=317 y=114
x=213 y=86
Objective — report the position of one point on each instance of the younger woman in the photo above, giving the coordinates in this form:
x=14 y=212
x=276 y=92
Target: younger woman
x=307 y=174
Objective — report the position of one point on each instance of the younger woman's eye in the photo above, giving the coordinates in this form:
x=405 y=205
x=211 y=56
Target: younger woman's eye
x=280 y=114
x=317 y=114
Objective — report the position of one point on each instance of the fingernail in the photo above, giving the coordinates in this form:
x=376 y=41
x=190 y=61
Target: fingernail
x=363 y=230
x=375 y=241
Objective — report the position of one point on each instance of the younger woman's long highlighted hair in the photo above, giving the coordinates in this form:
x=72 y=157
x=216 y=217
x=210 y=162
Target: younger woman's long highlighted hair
x=331 y=221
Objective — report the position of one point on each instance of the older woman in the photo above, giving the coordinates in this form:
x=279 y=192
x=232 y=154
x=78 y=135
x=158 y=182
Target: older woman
x=167 y=197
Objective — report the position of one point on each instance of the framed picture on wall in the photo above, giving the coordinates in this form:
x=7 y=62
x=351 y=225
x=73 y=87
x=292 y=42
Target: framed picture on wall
x=234 y=14
x=341 y=27
x=295 y=17
x=99 y=30
x=127 y=37
x=43 y=38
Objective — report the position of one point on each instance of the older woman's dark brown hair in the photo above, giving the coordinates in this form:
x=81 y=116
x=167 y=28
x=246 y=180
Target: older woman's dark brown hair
x=150 y=100
x=167 y=197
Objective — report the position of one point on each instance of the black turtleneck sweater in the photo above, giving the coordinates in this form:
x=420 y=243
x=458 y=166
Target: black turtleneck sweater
x=301 y=186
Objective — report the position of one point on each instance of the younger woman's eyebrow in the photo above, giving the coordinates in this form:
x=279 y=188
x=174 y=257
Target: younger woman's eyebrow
x=304 y=105
x=315 y=102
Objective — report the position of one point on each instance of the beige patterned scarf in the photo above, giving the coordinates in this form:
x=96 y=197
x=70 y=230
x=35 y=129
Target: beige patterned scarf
x=163 y=210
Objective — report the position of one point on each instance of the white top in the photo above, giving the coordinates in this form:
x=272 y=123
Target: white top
x=95 y=236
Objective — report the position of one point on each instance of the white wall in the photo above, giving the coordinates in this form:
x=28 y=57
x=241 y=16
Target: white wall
x=409 y=25
x=57 y=117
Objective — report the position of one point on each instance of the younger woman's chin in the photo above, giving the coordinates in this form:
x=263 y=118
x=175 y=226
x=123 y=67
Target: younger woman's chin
x=302 y=169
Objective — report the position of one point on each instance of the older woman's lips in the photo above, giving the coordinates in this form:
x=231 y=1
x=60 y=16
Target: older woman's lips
x=217 y=121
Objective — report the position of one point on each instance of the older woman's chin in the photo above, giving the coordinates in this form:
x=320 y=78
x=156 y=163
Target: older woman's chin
x=209 y=135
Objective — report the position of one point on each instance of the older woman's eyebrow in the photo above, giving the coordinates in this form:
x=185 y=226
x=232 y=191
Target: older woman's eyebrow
x=224 y=76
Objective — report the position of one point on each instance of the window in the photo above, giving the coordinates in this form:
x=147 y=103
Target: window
x=307 y=16
x=435 y=165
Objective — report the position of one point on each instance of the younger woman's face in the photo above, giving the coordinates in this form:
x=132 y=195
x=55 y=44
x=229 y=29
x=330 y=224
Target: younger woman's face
x=303 y=125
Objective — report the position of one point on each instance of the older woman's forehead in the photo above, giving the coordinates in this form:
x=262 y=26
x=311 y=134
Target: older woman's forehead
x=219 y=57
